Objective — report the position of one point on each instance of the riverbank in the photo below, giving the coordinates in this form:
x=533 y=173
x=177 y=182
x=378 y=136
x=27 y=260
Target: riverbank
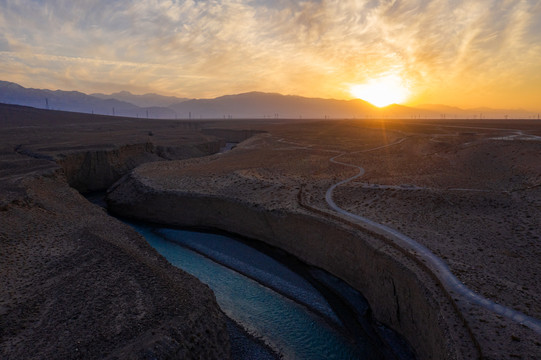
x=243 y=345
x=79 y=284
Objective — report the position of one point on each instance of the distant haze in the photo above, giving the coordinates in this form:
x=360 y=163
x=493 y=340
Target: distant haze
x=146 y=100
x=255 y=105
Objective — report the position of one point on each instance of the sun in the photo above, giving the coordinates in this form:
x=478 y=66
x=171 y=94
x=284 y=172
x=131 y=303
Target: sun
x=383 y=91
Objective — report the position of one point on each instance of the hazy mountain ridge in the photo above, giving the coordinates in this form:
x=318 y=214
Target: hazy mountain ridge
x=256 y=105
x=12 y=93
x=478 y=112
x=145 y=100
x=271 y=105
x=58 y=99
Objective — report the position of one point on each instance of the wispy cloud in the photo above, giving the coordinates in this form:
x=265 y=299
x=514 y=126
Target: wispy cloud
x=488 y=50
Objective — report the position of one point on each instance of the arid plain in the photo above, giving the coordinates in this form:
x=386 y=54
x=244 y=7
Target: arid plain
x=470 y=191
x=467 y=190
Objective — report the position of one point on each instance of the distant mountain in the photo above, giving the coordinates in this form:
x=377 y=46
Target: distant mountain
x=255 y=105
x=63 y=100
x=269 y=105
x=146 y=100
x=476 y=113
x=439 y=108
x=259 y=105
x=12 y=93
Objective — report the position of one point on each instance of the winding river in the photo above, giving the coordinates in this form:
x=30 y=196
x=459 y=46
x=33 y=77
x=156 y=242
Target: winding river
x=267 y=299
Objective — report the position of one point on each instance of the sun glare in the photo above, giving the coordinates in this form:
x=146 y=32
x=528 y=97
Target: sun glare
x=381 y=91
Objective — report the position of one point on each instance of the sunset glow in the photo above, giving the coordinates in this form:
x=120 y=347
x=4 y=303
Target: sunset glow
x=382 y=92
x=467 y=54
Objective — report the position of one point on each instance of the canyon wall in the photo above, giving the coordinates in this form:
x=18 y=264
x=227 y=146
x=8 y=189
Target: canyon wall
x=97 y=169
x=401 y=296
x=78 y=284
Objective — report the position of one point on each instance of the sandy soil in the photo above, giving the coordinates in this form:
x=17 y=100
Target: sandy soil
x=472 y=199
x=52 y=133
x=76 y=283
x=469 y=191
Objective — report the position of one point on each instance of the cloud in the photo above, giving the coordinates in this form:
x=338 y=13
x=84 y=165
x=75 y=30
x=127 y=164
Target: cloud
x=314 y=48
x=4 y=43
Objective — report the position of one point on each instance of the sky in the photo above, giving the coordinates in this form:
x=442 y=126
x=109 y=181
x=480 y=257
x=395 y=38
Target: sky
x=462 y=53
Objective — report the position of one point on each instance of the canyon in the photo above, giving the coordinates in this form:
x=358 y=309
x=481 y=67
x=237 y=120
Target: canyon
x=64 y=260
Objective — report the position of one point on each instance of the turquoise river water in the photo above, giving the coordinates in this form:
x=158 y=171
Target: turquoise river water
x=296 y=321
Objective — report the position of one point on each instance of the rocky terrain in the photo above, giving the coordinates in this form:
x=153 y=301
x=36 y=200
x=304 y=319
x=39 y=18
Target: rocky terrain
x=468 y=191
x=76 y=283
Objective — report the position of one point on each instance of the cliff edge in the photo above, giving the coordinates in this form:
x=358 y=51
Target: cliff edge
x=77 y=283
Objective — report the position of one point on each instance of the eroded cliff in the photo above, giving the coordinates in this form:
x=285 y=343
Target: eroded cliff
x=97 y=169
x=401 y=296
x=77 y=283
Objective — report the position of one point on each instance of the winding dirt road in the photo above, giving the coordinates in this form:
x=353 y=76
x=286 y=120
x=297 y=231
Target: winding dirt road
x=436 y=264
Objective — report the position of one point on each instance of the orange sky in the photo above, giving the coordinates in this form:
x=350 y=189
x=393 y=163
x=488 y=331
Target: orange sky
x=460 y=53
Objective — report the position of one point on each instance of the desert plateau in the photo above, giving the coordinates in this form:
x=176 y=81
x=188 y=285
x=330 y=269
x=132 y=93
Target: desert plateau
x=78 y=283
x=270 y=180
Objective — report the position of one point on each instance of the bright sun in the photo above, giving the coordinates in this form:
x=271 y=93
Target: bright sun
x=381 y=91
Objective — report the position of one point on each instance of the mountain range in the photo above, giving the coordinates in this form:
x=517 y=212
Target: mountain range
x=146 y=100
x=256 y=105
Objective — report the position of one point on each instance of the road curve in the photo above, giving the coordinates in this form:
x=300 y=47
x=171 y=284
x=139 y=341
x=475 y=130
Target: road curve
x=437 y=265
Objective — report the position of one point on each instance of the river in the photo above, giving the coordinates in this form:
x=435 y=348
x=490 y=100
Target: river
x=273 y=303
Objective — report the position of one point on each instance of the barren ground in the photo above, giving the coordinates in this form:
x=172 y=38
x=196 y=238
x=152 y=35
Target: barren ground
x=468 y=190
x=470 y=194
x=76 y=283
